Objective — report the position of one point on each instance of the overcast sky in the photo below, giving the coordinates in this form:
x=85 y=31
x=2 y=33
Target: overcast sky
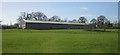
x=69 y=10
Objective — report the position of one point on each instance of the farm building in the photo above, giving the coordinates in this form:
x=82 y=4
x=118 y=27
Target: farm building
x=33 y=24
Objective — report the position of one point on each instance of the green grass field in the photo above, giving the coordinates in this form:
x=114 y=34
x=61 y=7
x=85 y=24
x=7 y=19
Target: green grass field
x=59 y=41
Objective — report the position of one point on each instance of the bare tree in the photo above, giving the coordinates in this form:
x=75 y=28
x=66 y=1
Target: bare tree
x=64 y=20
x=29 y=17
x=94 y=22
x=82 y=20
x=39 y=16
x=23 y=15
x=44 y=18
x=101 y=22
x=115 y=24
x=55 y=18
x=74 y=20
x=19 y=19
x=34 y=15
x=0 y=24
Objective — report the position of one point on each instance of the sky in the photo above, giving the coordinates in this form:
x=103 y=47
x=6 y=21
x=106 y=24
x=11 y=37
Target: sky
x=65 y=10
x=59 y=0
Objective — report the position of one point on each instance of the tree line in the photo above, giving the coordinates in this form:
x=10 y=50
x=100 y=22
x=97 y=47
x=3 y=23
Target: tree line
x=100 y=23
x=42 y=17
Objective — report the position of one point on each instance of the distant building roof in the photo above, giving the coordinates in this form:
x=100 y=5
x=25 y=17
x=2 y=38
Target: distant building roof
x=34 y=21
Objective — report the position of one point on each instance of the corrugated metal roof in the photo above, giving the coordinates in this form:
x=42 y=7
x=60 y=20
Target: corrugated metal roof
x=34 y=21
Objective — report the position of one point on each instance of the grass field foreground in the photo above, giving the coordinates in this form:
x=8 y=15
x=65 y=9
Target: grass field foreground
x=59 y=41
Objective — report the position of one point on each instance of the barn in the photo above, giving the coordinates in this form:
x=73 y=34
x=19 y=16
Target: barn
x=33 y=24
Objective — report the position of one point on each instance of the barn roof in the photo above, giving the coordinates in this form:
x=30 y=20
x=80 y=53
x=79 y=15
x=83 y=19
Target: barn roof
x=34 y=21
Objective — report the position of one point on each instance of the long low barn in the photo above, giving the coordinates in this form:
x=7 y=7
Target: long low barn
x=30 y=24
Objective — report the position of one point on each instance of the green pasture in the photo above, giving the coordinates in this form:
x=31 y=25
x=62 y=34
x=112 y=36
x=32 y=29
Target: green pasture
x=59 y=41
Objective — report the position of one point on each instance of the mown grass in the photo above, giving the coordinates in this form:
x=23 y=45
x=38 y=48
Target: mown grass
x=59 y=41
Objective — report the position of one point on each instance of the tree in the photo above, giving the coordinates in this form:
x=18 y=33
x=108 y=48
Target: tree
x=19 y=19
x=108 y=24
x=34 y=15
x=115 y=24
x=74 y=20
x=82 y=20
x=39 y=16
x=101 y=22
x=45 y=18
x=29 y=17
x=23 y=15
x=93 y=22
x=0 y=25
x=55 y=18
x=119 y=24
x=0 y=22
x=65 y=20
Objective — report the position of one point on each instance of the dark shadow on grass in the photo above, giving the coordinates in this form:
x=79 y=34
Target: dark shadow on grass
x=54 y=29
x=94 y=30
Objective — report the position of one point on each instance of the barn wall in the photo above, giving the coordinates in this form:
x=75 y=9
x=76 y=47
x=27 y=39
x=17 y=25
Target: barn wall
x=54 y=26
